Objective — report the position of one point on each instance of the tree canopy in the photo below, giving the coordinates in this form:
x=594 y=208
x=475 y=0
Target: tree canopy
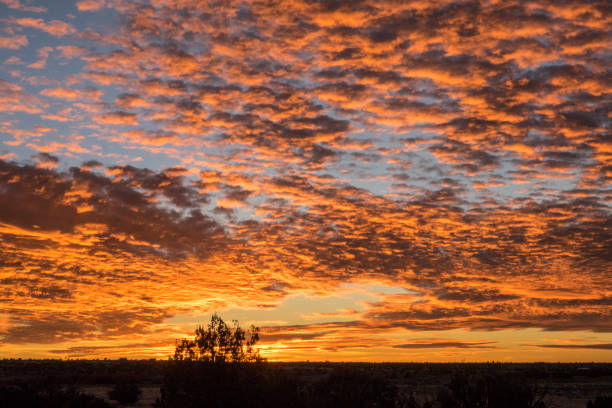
x=220 y=343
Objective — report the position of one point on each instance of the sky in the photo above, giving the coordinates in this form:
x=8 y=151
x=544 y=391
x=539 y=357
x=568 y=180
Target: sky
x=363 y=180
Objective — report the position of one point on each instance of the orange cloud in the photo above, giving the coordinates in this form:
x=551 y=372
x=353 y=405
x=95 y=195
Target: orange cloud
x=53 y=27
x=16 y=4
x=12 y=98
x=117 y=118
x=90 y=5
x=14 y=42
x=274 y=151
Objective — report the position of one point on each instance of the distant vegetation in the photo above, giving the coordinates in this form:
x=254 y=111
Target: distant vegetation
x=59 y=384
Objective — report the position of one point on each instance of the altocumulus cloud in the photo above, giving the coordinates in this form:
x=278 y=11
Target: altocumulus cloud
x=457 y=150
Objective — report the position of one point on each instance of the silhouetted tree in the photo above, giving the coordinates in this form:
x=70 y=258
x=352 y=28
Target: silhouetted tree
x=219 y=343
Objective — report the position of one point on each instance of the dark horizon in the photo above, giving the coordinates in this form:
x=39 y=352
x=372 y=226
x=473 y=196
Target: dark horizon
x=184 y=384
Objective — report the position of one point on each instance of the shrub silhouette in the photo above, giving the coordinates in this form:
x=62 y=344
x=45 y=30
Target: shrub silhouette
x=125 y=393
x=219 y=343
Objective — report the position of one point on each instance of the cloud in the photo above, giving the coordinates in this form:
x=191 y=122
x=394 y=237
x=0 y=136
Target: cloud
x=17 y=5
x=110 y=351
x=61 y=93
x=251 y=151
x=90 y=5
x=117 y=118
x=56 y=202
x=71 y=51
x=67 y=94
x=45 y=160
x=271 y=338
x=55 y=330
x=14 y=42
x=14 y=99
x=577 y=346
x=446 y=344
x=54 y=27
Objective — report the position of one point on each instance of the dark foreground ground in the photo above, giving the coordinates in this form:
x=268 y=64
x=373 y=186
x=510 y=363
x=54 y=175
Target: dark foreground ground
x=149 y=383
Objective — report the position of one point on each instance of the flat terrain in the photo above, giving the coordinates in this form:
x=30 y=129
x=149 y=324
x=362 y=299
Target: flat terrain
x=560 y=385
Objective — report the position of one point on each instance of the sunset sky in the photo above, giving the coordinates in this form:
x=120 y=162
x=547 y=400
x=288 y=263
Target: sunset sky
x=366 y=180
